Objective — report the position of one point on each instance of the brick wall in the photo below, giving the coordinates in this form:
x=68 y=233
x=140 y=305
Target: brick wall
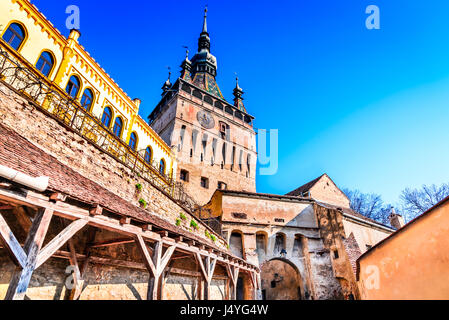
x=76 y=152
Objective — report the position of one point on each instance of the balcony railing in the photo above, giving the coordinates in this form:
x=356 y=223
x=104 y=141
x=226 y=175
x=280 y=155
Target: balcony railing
x=22 y=77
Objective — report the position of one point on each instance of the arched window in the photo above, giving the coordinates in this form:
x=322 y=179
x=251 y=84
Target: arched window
x=133 y=141
x=148 y=155
x=15 y=35
x=45 y=63
x=118 y=125
x=162 y=167
x=73 y=87
x=279 y=245
x=107 y=117
x=236 y=244
x=87 y=99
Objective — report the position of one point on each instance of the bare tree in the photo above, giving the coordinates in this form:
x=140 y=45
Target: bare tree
x=369 y=204
x=416 y=201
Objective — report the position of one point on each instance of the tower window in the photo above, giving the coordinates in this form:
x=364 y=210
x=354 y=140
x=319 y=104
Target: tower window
x=14 y=35
x=204 y=183
x=45 y=63
x=73 y=86
x=184 y=176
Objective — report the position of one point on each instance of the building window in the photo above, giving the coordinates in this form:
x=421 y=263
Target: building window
x=133 y=141
x=87 y=99
x=336 y=255
x=45 y=63
x=118 y=125
x=204 y=183
x=14 y=35
x=107 y=117
x=184 y=176
x=222 y=186
x=223 y=130
x=73 y=86
x=279 y=244
x=162 y=167
x=148 y=155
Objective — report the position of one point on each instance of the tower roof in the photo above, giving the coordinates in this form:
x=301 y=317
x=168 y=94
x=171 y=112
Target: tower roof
x=204 y=64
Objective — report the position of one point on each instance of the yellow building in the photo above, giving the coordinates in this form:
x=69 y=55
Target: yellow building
x=68 y=68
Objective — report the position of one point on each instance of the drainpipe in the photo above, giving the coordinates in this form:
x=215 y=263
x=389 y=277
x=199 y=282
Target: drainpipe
x=39 y=184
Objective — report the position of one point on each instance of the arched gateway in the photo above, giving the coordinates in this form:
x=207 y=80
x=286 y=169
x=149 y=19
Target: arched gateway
x=281 y=280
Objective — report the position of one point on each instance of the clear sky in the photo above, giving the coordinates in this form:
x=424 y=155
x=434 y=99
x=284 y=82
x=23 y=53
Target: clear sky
x=368 y=107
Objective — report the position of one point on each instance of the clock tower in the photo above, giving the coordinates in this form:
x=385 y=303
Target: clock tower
x=213 y=139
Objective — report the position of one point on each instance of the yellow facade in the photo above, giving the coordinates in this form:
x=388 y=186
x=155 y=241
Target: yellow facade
x=71 y=59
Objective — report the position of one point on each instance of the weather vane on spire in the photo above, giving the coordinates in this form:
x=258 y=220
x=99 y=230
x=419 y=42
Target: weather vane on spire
x=187 y=51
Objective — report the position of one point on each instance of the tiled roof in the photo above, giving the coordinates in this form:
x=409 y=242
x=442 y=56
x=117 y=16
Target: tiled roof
x=305 y=188
x=353 y=251
x=19 y=154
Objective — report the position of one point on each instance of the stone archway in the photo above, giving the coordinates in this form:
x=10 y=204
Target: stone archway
x=281 y=280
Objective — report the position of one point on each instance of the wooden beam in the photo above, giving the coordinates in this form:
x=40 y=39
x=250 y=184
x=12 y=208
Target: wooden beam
x=72 y=212
x=21 y=276
x=125 y=221
x=23 y=218
x=11 y=244
x=147 y=258
x=163 y=234
x=57 y=196
x=96 y=211
x=113 y=242
x=59 y=241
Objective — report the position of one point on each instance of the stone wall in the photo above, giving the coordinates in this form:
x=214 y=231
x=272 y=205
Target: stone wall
x=306 y=270
x=78 y=153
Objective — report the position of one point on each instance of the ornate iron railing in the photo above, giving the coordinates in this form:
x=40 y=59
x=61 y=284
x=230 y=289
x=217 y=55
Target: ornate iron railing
x=26 y=80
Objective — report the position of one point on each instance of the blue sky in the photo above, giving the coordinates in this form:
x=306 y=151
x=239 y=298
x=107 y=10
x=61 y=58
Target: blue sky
x=368 y=107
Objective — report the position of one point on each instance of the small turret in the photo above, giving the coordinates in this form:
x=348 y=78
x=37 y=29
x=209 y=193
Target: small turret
x=238 y=94
x=167 y=85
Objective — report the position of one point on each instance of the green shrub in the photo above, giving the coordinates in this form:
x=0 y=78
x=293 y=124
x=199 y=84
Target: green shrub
x=178 y=222
x=183 y=216
x=194 y=224
x=139 y=187
x=143 y=203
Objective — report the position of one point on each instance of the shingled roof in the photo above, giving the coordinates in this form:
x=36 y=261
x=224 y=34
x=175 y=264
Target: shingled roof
x=19 y=154
x=305 y=188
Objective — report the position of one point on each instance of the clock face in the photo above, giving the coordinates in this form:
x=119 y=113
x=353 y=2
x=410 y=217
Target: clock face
x=205 y=119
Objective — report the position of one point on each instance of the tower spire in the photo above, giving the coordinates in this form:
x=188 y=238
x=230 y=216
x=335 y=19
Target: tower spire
x=204 y=40
x=205 y=20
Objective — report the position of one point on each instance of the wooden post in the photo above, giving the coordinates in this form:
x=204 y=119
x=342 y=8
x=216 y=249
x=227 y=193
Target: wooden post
x=207 y=268
x=78 y=281
x=22 y=275
x=155 y=264
x=233 y=273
